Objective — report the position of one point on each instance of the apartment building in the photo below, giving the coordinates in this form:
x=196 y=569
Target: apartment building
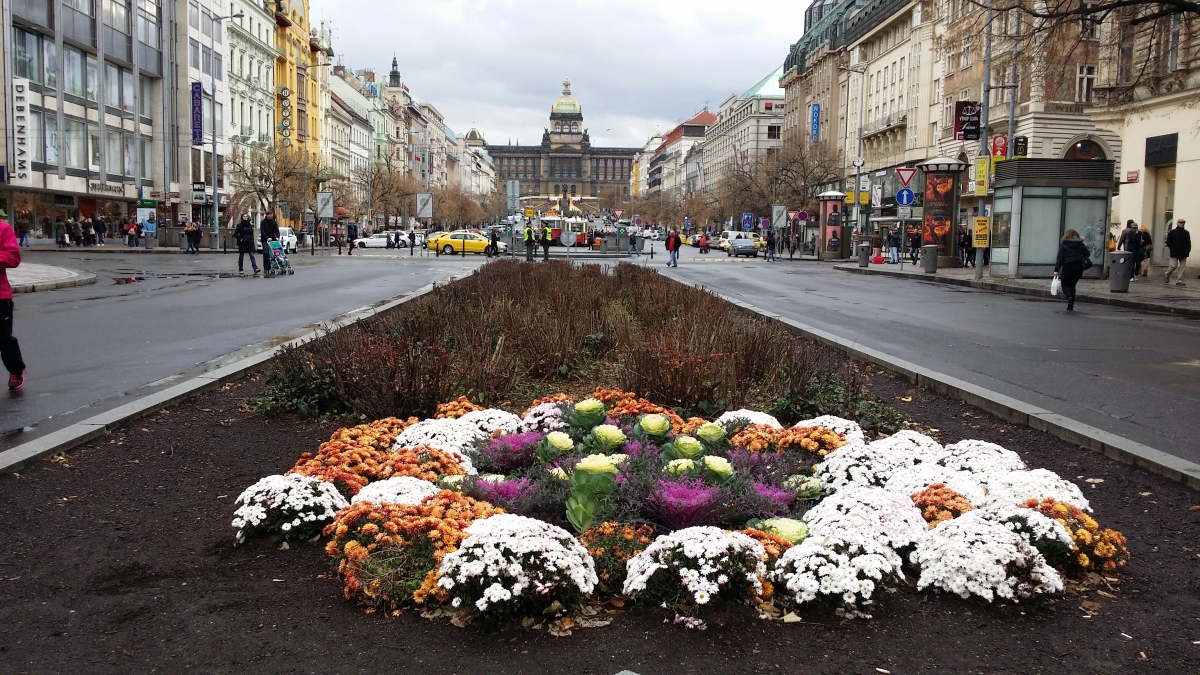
x=747 y=128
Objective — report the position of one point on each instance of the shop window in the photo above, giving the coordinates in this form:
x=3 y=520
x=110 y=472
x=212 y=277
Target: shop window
x=75 y=144
x=50 y=64
x=36 y=145
x=50 y=134
x=1041 y=225
x=94 y=147
x=91 y=81
x=73 y=77
x=112 y=86
x=27 y=60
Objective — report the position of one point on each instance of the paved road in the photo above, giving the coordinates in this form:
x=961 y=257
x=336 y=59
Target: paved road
x=1129 y=373
x=96 y=343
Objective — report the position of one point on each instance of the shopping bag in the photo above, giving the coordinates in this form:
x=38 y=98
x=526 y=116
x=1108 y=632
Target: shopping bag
x=1055 y=286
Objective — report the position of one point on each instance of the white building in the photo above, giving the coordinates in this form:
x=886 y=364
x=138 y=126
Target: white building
x=746 y=129
x=476 y=167
x=251 y=77
x=436 y=136
x=639 y=175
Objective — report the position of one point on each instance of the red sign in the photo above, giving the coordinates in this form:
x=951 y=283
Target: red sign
x=793 y=215
x=1132 y=176
x=618 y=213
x=999 y=146
x=905 y=174
x=966 y=120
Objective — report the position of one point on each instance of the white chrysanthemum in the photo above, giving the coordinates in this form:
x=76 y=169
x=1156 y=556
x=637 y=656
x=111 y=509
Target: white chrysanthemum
x=1014 y=488
x=491 y=419
x=873 y=513
x=296 y=505
x=974 y=555
x=914 y=479
x=704 y=560
x=448 y=435
x=508 y=560
x=847 y=428
x=396 y=490
x=922 y=447
x=860 y=465
x=751 y=416
x=850 y=565
x=545 y=417
x=979 y=457
x=1037 y=528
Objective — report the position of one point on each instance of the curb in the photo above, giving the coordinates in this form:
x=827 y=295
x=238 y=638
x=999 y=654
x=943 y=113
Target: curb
x=1005 y=407
x=1005 y=287
x=80 y=279
x=67 y=438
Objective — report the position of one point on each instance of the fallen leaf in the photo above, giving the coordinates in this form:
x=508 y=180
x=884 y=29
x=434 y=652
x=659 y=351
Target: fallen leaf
x=554 y=608
x=1090 y=607
x=1146 y=494
x=881 y=670
x=617 y=601
x=1106 y=594
x=145 y=430
x=1094 y=480
x=791 y=617
x=1194 y=508
x=277 y=580
x=527 y=621
x=1143 y=655
x=907 y=399
x=222 y=496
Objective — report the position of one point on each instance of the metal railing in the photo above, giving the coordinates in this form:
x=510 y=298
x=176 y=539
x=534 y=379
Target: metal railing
x=884 y=123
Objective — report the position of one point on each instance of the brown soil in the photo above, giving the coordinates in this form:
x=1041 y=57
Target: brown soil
x=119 y=558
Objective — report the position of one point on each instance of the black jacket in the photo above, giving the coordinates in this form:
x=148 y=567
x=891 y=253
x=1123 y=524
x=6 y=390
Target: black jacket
x=1072 y=253
x=243 y=234
x=1130 y=240
x=1179 y=243
x=268 y=228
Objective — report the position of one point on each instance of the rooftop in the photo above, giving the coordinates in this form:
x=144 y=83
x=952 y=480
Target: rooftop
x=768 y=87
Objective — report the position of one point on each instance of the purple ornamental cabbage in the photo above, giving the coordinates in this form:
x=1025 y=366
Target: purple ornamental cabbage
x=636 y=448
x=774 y=499
x=685 y=503
x=506 y=493
x=511 y=452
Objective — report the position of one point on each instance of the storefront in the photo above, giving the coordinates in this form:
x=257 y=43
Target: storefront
x=39 y=210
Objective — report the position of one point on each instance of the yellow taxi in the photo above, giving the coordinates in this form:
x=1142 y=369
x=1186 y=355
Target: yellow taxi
x=455 y=242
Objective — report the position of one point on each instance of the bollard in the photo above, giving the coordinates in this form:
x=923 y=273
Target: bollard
x=864 y=254
x=929 y=254
x=1120 y=271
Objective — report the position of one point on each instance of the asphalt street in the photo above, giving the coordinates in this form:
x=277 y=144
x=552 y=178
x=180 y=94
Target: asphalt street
x=152 y=319
x=1130 y=373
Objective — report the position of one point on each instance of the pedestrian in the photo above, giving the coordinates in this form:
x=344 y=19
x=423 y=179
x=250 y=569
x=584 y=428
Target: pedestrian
x=24 y=227
x=60 y=233
x=673 y=244
x=893 y=241
x=964 y=249
x=633 y=249
x=1147 y=249
x=89 y=232
x=770 y=245
x=243 y=235
x=1179 y=245
x=76 y=231
x=101 y=230
x=137 y=233
x=547 y=237
x=1073 y=259
x=412 y=242
x=914 y=246
x=793 y=243
x=268 y=229
x=494 y=248
x=10 y=350
x=530 y=240
x=1130 y=241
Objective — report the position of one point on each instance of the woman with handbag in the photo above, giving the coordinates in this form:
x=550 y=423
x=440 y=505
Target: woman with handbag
x=1073 y=259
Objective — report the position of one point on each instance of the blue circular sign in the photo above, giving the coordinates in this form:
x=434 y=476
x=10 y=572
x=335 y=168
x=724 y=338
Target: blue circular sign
x=904 y=197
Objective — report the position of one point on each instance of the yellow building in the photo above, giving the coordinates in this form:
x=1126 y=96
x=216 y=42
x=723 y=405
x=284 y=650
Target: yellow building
x=298 y=57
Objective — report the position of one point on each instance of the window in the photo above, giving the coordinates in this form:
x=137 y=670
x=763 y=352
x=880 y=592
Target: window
x=114 y=153
x=73 y=72
x=194 y=15
x=773 y=132
x=116 y=14
x=147 y=155
x=50 y=64
x=218 y=67
x=901 y=68
x=112 y=86
x=50 y=134
x=948 y=111
x=1173 y=44
x=206 y=60
x=81 y=6
x=1085 y=83
x=218 y=30
x=127 y=84
x=965 y=58
x=195 y=51
x=75 y=144
x=1089 y=27
x=206 y=24
x=94 y=147
x=146 y=97
x=36 y=146
x=1125 y=54
x=27 y=60
x=92 y=80
x=147 y=28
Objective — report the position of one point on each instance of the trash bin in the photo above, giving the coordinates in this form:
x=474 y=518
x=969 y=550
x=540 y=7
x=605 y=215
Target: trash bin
x=864 y=254
x=929 y=254
x=1120 y=271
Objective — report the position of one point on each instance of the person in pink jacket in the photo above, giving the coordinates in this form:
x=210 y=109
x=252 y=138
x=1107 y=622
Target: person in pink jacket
x=10 y=351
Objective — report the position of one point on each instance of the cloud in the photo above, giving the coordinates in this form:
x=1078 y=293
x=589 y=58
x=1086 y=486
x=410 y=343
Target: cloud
x=637 y=67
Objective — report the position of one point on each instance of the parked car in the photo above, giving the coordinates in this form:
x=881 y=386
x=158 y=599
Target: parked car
x=378 y=240
x=739 y=246
x=652 y=235
x=454 y=242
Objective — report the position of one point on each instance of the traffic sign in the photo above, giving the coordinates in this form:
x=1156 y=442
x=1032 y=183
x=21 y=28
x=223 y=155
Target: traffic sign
x=981 y=233
x=1000 y=145
x=802 y=216
x=765 y=223
x=905 y=174
x=794 y=215
x=618 y=213
x=687 y=223
x=904 y=212
x=529 y=212
x=325 y=205
x=779 y=215
x=638 y=221
x=424 y=204
x=620 y=232
x=876 y=196
x=905 y=197
x=747 y=221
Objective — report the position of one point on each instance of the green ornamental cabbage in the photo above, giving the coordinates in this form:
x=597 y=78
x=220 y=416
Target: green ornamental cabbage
x=805 y=487
x=686 y=447
x=609 y=436
x=589 y=406
x=599 y=463
x=718 y=466
x=711 y=433
x=680 y=465
x=656 y=425
x=792 y=530
x=560 y=441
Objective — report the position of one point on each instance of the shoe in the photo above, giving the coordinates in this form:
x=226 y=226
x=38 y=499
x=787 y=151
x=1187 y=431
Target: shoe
x=16 y=381
x=1180 y=283
x=241 y=273
x=1070 y=307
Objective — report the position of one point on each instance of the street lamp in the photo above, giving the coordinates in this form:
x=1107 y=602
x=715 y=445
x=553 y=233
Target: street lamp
x=859 y=161
x=212 y=79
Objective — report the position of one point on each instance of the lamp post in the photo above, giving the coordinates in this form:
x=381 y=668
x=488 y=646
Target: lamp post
x=212 y=79
x=859 y=161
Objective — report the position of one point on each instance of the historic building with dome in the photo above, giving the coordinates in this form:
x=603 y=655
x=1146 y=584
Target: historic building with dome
x=564 y=163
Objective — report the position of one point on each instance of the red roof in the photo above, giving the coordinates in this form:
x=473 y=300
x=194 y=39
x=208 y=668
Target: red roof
x=703 y=117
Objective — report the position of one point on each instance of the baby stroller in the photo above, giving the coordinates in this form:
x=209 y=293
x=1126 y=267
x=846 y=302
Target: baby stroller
x=276 y=262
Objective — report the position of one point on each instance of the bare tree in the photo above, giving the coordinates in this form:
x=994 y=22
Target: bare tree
x=792 y=176
x=272 y=173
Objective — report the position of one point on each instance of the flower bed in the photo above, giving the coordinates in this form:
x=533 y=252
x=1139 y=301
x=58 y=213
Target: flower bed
x=496 y=516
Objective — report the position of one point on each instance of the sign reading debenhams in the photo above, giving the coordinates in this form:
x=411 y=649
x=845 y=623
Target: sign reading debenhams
x=106 y=189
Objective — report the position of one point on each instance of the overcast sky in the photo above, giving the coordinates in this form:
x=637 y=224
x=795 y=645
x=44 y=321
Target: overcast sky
x=637 y=67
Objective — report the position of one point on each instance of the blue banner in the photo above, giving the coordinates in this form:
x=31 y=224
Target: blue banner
x=197 y=113
x=816 y=120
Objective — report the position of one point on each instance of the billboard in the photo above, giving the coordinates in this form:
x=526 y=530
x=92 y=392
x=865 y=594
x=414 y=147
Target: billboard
x=966 y=120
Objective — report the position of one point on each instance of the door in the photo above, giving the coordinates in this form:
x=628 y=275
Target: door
x=1164 y=211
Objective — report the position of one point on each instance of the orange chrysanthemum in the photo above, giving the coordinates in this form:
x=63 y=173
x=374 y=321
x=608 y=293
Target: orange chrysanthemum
x=456 y=408
x=556 y=398
x=421 y=462
x=939 y=503
x=1096 y=549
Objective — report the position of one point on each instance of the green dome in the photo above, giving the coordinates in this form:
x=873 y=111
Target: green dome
x=566 y=104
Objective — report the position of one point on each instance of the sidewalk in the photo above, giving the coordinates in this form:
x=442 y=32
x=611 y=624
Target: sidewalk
x=1147 y=294
x=31 y=277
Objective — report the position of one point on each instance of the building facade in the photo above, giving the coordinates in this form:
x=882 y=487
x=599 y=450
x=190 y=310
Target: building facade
x=251 y=79
x=565 y=163
x=747 y=128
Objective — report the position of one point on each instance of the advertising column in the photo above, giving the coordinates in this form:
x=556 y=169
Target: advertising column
x=939 y=210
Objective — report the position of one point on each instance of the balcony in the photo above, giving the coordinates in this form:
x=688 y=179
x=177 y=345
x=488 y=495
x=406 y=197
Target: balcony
x=264 y=138
x=892 y=121
x=247 y=131
x=282 y=20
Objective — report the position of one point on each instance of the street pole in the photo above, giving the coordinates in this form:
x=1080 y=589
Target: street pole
x=980 y=202
x=212 y=79
x=858 y=166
